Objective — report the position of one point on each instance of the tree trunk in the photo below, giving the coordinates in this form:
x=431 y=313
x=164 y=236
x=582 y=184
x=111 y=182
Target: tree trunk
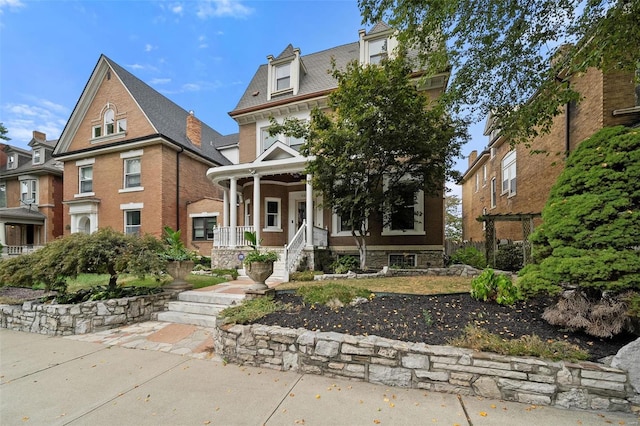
x=362 y=249
x=113 y=278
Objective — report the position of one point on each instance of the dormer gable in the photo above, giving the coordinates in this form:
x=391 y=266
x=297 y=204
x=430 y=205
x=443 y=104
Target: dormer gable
x=377 y=44
x=277 y=151
x=16 y=157
x=284 y=72
x=40 y=148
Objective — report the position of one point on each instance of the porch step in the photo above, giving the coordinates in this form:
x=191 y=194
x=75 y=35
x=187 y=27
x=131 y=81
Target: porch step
x=198 y=307
x=186 y=318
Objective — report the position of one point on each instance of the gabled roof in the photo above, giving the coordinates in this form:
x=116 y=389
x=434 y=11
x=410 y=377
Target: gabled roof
x=379 y=28
x=317 y=79
x=287 y=52
x=167 y=118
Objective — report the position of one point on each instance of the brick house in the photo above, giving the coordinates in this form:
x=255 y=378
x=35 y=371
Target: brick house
x=501 y=181
x=30 y=196
x=136 y=162
x=266 y=190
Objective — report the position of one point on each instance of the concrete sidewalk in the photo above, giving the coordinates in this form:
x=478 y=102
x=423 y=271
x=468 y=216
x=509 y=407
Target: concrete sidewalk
x=58 y=381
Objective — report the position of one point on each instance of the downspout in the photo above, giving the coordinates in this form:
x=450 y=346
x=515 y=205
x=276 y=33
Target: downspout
x=567 y=130
x=178 y=188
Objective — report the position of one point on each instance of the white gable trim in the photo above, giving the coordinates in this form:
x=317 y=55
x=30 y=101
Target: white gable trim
x=277 y=147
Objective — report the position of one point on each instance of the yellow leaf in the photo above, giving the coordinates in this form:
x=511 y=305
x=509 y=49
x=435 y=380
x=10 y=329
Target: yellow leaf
x=206 y=422
x=376 y=421
x=493 y=405
x=318 y=396
x=392 y=405
x=386 y=400
x=25 y=419
x=483 y=414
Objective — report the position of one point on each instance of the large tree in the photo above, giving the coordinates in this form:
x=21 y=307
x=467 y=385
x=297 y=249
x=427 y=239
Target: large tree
x=381 y=143
x=453 y=218
x=515 y=58
x=3 y=133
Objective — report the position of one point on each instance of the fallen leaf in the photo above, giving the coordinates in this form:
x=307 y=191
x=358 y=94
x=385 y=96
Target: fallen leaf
x=376 y=421
x=25 y=419
x=483 y=414
x=291 y=395
x=493 y=405
x=318 y=396
x=207 y=422
x=386 y=400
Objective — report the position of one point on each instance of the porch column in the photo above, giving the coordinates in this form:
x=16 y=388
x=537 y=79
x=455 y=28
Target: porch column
x=310 y=212
x=225 y=207
x=233 y=210
x=3 y=235
x=256 y=206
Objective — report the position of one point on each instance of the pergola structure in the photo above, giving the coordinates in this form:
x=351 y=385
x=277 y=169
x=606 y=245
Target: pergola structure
x=490 y=246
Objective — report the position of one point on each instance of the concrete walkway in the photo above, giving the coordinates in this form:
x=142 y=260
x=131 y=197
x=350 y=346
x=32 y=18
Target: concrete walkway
x=157 y=373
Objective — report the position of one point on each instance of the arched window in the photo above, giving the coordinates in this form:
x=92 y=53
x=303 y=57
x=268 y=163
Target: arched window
x=109 y=122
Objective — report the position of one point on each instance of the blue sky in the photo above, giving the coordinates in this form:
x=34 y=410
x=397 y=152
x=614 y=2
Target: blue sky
x=200 y=54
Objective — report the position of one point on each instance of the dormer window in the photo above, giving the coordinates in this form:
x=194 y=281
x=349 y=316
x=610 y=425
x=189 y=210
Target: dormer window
x=37 y=156
x=282 y=77
x=109 y=125
x=377 y=50
x=11 y=161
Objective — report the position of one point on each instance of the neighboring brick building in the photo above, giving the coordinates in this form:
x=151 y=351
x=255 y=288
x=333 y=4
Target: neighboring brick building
x=135 y=161
x=30 y=196
x=505 y=181
x=266 y=189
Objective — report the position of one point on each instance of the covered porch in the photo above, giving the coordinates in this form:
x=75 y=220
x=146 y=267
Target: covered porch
x=22 y=230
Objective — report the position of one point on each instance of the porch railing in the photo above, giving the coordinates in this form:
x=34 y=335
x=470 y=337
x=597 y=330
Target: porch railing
x=18 y=250
x=222 y=236
x=293 y=249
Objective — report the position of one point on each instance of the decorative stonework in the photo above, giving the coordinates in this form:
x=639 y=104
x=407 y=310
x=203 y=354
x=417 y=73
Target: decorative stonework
x=81 y=318
x=582 y=385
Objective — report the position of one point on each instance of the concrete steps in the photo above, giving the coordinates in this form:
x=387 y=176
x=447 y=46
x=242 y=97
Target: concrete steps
x=198 y=307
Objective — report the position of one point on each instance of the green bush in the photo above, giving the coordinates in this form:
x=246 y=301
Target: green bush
x=302 y=276
x=509 y=257
x=345 y=264
x=491 y=286
x=250 y=310
x=469 y=256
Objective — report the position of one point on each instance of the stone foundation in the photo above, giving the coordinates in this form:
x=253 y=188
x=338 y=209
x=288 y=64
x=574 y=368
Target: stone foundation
x=447 y=369
x=81 y=318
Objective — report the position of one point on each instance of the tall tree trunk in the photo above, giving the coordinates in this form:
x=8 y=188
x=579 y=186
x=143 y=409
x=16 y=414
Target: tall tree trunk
x=361 y=243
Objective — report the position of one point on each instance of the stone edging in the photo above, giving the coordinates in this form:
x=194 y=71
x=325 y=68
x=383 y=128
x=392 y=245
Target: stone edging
x=81 y=318
x=583 y=385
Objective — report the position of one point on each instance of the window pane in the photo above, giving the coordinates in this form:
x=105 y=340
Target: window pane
x=267 y=140
x=97 y=132
x=283 y=73
x=272 y=207
x=404 y=218
x=132 y=173
x=109 y=121
x=132 y=222
x=3 y=195
x=122 y=125
x=86 y=179
x=377 y=50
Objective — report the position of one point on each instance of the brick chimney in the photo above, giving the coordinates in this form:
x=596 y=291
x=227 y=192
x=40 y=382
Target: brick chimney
x=472 y=157
x=194 y=129
x=39 y=136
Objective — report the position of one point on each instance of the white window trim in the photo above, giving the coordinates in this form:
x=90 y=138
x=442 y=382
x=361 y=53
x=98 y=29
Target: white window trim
x=334 y=227
x=80 y=193
x=415 y=258
x=484 y=175
x=203 y=215
x=278 y=227
x=33 y=156
x=129 y=156
x=418 y=223
x=494 y=192
x=14 y=163
x=505 y=166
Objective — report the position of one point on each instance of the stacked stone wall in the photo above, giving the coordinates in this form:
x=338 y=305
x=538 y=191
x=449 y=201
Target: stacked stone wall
x=81 y=318
x=583 y=385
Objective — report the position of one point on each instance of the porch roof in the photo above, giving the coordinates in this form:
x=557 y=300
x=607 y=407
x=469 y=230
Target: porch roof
x=21 y=215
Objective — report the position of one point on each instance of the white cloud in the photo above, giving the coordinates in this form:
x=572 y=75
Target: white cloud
x=139 y=67
x=202 y=42
x=160 y=81
x=149 y=47
x=218 y=8
x=39 y=114
x=177 y=9
x=10 y=4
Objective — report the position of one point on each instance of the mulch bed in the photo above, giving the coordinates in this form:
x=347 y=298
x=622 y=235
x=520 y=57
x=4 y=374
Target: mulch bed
x=405 y=317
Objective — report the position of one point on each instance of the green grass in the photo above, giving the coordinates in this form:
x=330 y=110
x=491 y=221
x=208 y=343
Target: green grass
x=86 y=281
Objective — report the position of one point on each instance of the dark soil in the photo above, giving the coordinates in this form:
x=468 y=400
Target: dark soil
x=435 y=320
x=21 y=294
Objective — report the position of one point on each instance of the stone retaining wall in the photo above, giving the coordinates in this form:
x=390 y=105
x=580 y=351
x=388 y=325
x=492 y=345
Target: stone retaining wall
x=451 y=271
x=81 y=318
x=583 y=385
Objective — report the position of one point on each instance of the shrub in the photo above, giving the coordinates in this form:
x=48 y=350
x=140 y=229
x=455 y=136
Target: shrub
x=509 y=257
x=495 y=287
x=590 y=234
x=302 y=276
x=323 y=294
x=469 y=256
x=345 y=264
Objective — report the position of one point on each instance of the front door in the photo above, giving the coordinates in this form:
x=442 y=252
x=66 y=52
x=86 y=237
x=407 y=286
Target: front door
x=297 y=212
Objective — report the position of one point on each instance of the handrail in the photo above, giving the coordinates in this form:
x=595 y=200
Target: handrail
x=293 y=249
x=222 y=236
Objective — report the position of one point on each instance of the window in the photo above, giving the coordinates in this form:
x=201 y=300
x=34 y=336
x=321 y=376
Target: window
x=282 y=77
x=203 y=227
x=132 y=222
x=122 y=125
x=477 y=181
x=402 y=260
x=97 y=131
x=86 y=179
x=272 y=214
x=493 y=192
x=267 y=140
x=37 y=156
x=11 y=161
x=3 y=195
x=109 y=126
x=247 y=213
x=404 y=217
x=377 y=50
x=484 y=175
x=132 y=172
x=509 y=173
x=28 y=191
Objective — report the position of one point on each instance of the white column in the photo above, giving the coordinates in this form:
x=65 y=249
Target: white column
x=256 y=206
x=310 y=212
x=225 y=208
x=233 y=210
x=3 y=235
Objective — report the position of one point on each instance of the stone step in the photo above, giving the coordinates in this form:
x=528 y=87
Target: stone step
x=226 y=299
x=196 y=308
x=187 y=318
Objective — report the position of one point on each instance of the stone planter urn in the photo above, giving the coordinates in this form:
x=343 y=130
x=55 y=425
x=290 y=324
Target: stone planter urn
x=259 y=272
x=179 y=269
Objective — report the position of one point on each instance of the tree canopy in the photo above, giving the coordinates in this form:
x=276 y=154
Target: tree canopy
x=3 y=133
x=514 y=58
x=381 y=142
